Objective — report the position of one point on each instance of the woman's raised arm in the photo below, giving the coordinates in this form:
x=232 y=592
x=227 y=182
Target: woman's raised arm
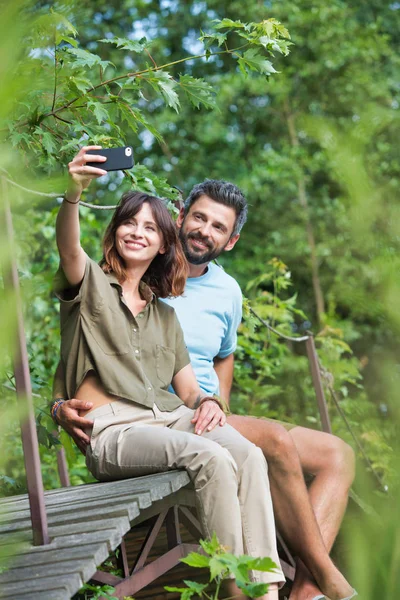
x=72 y=256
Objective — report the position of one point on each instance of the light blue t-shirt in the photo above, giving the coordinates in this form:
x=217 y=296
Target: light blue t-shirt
x=209 y=311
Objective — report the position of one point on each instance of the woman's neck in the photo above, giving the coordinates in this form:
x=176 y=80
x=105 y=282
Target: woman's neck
x=131 y=293
x=133 y=278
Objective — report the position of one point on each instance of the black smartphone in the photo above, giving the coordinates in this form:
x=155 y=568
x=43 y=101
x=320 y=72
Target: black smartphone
x=117 y=158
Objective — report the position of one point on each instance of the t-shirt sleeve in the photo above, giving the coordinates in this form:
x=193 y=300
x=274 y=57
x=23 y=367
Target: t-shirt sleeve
x=182 y=357
x=229 y=343
x=71 y=295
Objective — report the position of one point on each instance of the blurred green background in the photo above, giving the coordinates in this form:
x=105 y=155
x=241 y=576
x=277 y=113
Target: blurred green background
x=312 y=139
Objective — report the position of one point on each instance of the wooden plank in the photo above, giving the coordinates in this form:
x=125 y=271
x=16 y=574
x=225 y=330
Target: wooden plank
x=97 y=552
x=120 y=524
x=59 y=594
x=129 y=510
x=143 y=499
x=84 y=568
x=175 y=479
x=71 y=582
x=109 y=536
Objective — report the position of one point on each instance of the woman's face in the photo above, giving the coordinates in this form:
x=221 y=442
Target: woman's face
x=139 y=239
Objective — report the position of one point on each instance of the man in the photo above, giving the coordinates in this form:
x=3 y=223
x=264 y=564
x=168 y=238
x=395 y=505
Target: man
x=210 y=312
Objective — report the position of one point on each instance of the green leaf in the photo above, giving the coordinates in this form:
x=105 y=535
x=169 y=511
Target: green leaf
x=126 y=44
x=216 y=567
x=17 y=138
x=198 y=588
x=80 y=83
x=254 y=61
x=265 y=564
x=67 y=39
x=50 y=28
x=100 y=113
x=228 y=23
x=185 y=593
x=145 y=181
x=133 y=116
x=209 y=39
x=211 y=546
x=253 y=590
x=194 y=559
x=83 y=58
x=198 y=91
x=163 y=82
x=274 y=45
x=273 y=28
x=48 y=142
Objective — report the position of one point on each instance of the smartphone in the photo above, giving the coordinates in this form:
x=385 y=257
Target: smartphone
x=117 y=158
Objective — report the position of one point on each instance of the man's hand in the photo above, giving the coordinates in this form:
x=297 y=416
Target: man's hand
x=69 y=419
x=208 y=416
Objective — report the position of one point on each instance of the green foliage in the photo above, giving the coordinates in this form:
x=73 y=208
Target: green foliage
x=313 y=147
x=66 y=94
x=94 y=592
x=223 y=565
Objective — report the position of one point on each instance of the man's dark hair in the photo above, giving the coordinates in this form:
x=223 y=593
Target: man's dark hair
x=224 y=193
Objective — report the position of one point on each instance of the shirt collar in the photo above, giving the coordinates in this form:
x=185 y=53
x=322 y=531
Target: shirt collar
x=144 y=289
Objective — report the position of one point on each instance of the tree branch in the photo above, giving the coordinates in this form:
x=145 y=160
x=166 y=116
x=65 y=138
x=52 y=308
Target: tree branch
x=54 y=113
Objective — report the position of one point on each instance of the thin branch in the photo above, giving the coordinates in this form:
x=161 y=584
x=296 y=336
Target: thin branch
x=151 y=58
x=61 y=119
x=59 y=136
x=304 y=338
x=55 y=75
x=53 y=195
x=21 y=187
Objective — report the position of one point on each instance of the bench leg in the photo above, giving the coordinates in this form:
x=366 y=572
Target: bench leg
x=140 y=575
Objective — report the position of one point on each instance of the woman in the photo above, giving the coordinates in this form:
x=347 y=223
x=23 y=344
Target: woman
x=121 y=348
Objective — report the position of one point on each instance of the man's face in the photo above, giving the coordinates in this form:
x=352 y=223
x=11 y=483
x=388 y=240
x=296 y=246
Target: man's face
x=206 y=230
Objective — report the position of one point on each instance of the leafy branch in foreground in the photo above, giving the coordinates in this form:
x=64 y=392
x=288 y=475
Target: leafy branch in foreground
x=222 y=565
x=81 y=96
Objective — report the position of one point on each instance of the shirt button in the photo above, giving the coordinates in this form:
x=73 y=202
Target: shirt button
x=135 y=330
x=136 y=351
x=140 y=316
x=149 y=388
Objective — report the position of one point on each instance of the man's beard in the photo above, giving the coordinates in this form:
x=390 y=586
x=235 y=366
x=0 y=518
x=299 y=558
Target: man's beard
x=200 y=257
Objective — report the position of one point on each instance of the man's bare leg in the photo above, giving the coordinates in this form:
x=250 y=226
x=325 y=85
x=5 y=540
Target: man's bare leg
x=293 y=510
x=332 y=462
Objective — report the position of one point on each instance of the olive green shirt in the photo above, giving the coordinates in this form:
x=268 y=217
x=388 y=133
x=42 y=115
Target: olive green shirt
x=134 y=357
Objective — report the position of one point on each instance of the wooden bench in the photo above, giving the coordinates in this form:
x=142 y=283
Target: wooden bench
x=86 y=523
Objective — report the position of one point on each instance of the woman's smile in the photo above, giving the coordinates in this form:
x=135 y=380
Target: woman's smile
x=134 y=244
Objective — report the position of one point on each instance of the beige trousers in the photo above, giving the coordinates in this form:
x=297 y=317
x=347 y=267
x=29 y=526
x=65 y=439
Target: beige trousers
x=228 y=472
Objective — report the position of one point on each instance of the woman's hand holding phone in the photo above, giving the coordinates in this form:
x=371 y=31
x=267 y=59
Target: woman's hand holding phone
x=81 y=174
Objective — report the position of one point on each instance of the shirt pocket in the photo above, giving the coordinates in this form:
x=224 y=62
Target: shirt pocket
x=110 y=329
x=165 y=364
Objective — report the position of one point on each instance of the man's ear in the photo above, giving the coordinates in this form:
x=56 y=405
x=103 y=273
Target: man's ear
x=232 y=242
x=180 y=218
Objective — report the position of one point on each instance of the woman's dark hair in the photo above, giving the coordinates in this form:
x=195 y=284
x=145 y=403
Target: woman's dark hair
x=166 y=275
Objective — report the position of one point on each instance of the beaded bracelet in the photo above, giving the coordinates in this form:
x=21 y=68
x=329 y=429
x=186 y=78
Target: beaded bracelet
x=54 y=406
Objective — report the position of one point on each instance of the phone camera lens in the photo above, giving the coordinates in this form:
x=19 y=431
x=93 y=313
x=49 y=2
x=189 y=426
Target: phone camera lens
x=128 y=151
